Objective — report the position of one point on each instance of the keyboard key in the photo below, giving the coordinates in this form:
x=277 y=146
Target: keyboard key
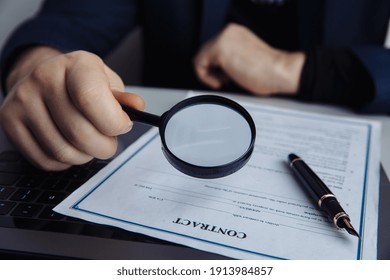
x=98 y=164
x=26 y=210
x=49 y=214
x=25 y=195
x=5 y=192
x=6 y=206
x=73 y=185
x=8 y=179
x=30 y=182
x=78 y=173
x=12 y=162
x=55 y=184
x=50 y=197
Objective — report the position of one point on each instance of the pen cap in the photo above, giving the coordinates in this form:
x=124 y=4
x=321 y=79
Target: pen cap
x=312 y=183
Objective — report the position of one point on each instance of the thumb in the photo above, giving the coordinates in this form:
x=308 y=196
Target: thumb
x=117 y=87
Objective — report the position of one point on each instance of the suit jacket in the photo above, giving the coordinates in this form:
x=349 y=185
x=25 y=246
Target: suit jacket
x=173 y=31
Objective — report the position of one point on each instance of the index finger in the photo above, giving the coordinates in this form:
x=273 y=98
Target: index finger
x=89 y=88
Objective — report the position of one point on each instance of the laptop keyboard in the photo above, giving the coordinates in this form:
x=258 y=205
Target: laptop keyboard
x=28 y=195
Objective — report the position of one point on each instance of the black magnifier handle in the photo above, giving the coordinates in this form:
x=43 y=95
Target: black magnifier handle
x=143 y=117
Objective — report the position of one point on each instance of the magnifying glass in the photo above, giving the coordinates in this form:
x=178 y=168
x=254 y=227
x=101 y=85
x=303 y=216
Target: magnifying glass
x=205 y=136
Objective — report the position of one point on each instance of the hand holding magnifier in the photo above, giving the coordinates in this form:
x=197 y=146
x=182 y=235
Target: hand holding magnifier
x=204 y=136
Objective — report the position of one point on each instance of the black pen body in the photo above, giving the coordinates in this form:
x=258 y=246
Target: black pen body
x=317 y=189
x=312 y=183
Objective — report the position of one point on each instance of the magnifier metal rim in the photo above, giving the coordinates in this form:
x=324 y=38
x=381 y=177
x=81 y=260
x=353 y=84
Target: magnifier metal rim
x=207 y=172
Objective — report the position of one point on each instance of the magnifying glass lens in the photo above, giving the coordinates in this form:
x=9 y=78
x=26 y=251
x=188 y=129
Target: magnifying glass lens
x=204 y=136
x=208 y=135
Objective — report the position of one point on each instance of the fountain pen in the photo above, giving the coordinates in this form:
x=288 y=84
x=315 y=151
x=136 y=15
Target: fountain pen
x=317 y=189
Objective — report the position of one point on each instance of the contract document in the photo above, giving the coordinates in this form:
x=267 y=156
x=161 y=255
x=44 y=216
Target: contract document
x=259 y=212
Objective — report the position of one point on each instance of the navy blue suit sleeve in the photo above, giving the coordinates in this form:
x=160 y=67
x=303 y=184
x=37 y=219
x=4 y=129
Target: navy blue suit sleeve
x=377 y=62
x=95 y=26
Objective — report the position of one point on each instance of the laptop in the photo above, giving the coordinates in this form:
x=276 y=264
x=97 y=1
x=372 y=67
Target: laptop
x=29 y=229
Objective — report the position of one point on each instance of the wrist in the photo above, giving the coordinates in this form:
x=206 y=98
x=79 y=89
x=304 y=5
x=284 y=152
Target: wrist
x=26 y=61
x=289 y=67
